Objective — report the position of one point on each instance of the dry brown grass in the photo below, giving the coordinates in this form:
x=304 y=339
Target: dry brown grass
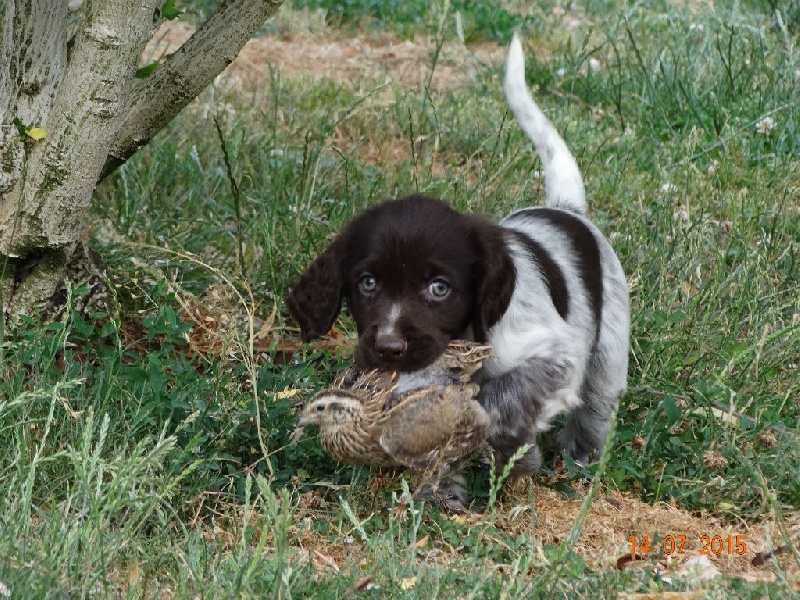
x=378 y=57
x=603 y=543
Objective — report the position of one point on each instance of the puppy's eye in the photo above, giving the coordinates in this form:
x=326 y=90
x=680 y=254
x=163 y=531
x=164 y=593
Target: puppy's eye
x=320 y=407
x=438 y=289
x=368 y=284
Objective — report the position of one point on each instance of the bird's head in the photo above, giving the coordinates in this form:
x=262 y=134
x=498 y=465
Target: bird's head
x=329 y=408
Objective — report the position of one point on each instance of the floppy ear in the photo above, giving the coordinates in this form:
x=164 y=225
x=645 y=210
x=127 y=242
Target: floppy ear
x=316 y=297
x=495 y=278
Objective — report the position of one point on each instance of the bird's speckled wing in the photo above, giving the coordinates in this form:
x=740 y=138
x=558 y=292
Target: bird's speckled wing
x=434 y=426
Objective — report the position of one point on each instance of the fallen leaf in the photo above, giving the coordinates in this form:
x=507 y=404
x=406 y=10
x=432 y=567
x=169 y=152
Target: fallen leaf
x=407 y=583
x=323 y=562
x=363 y=582
x=761 y=558
x=266 y=326
x=286 y=393
x=723 y=416
x=35 y=133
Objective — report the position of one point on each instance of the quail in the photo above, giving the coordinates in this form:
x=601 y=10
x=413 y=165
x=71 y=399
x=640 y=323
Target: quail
x=423 y=420
x=424 y=430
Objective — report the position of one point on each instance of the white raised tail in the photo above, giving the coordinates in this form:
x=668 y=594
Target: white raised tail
x=562 y=177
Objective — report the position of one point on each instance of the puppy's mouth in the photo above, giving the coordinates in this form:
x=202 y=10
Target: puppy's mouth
x=413 y=357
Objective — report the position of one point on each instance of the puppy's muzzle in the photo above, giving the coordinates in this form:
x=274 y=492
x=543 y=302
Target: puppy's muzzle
x=391 y=347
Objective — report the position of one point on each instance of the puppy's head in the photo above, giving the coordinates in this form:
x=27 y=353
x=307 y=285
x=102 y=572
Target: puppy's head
x=416 y=274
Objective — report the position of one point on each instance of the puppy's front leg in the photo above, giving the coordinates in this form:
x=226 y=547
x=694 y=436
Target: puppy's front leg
x=523 y=402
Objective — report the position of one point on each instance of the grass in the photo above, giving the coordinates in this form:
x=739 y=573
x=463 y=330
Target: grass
x=146 y=454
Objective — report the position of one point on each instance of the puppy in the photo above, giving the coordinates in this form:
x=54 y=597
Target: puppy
x=543 y=287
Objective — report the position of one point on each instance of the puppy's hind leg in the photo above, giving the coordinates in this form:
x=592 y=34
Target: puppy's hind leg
x=586 y=428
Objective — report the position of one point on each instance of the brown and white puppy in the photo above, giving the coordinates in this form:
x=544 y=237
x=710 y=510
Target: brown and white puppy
x=543 y=287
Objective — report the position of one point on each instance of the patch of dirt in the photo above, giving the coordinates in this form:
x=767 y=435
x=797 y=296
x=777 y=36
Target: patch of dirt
x=676 y=537
x=375 y=56
x=698 y=548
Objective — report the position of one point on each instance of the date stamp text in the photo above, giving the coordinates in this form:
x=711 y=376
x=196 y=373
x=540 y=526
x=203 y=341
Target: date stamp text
x=677 y=544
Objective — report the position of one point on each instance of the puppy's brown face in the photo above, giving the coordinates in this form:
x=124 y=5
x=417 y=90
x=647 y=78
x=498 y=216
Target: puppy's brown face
x=410 y=286
x=415 y=273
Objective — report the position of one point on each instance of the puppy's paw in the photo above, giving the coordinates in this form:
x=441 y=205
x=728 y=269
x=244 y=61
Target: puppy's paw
x=582 y=452
x=529 y=463
x=521 y=464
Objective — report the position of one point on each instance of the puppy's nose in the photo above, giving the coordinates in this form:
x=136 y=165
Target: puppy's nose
x=390 y=346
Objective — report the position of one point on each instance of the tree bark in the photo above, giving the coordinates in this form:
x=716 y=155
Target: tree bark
x=187 y=72
x=45 y=208
x=95 y=112
x=33 y=59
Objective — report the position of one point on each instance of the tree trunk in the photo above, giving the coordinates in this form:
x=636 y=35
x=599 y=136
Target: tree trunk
x=95 y=113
